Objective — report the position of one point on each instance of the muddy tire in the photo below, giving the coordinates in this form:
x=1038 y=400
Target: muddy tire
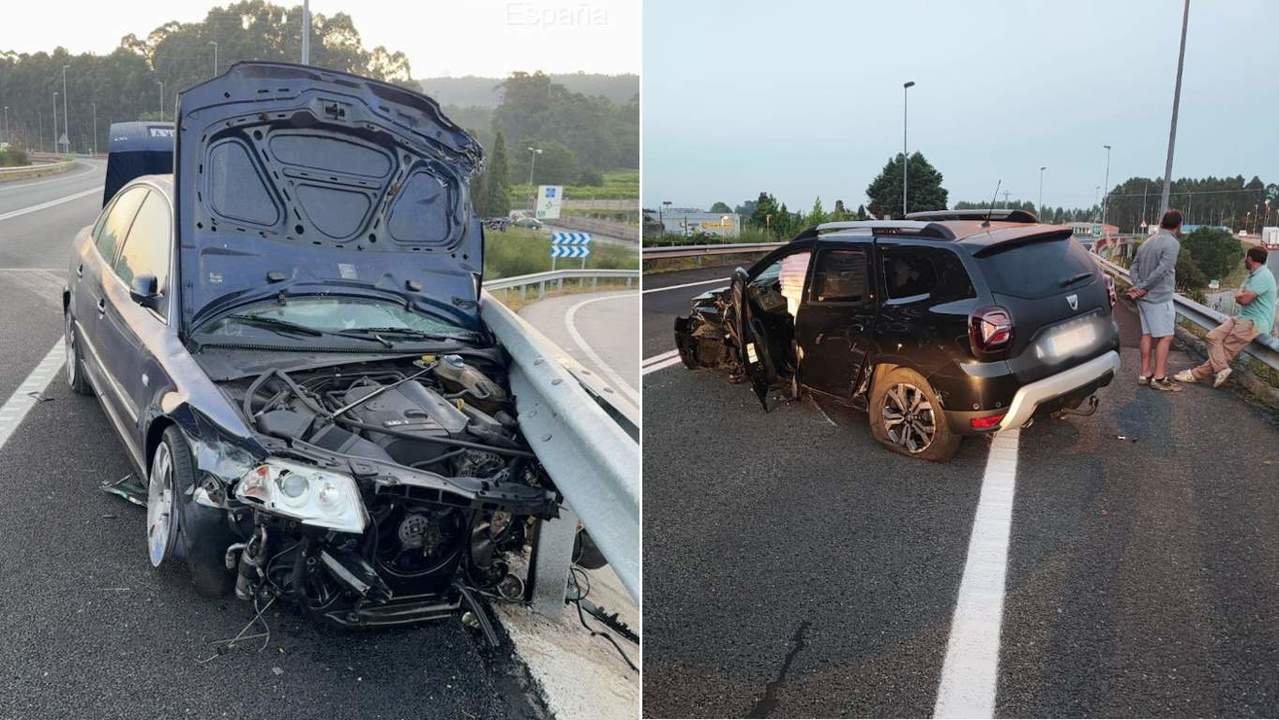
x=74 y=362
x=200 y=536
x=907 y=418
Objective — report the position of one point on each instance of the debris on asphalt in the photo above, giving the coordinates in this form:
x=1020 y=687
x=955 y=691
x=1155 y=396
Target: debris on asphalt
x=127 y=487
x=1125 y=437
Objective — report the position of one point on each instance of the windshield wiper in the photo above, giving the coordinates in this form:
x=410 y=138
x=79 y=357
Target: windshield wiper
x=402 y=332
x=276 y=324
x=1075 y=279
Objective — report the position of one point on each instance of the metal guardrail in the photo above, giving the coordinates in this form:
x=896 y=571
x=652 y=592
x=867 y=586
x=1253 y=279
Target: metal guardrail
x=1264 y=349
x=523 y=282
x=683 y=251
x=594 y=462
x=30 y=171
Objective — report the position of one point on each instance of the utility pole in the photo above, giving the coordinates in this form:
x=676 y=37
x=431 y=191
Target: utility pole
x=55 y=121
x=905 y=148
x=214 y=43
x=306 y=32
x=532 y=163
x=1144 y=192
x=66 y=127
x=95 y=128
x=1040 y=207
x=1105 y=199
x=161 y=82
x=1176 y=103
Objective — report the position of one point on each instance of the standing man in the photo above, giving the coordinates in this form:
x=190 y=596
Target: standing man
x=1154 y=280
x=1256 y=316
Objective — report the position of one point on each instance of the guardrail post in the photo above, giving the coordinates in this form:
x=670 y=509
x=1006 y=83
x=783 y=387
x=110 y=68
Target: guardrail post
x=554 y=559
x=559 y=284
x=524 y=292
x=541 y=289
x=595 y=282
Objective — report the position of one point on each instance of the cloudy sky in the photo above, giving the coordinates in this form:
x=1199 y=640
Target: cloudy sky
x=805 y=98
x=475 y=37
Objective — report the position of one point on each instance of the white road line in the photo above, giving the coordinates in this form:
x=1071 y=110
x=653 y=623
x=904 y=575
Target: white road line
x=51 y=203
x=970 y=672
x=677 y=287
x=659 y=362
x=610 y=373
x=28 y=393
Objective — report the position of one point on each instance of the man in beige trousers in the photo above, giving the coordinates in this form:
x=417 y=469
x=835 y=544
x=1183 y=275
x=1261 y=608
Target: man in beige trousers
x=1256 y=316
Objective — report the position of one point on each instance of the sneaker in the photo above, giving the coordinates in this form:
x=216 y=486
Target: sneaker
x=1144 y=379
x=1165 y=384
x=1186 y=376
x=1221 y=377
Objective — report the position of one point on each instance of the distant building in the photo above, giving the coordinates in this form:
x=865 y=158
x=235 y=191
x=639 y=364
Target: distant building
x=694 y=221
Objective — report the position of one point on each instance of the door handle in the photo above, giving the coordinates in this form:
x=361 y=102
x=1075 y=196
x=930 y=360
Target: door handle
x=102 y=305
x=79 y=271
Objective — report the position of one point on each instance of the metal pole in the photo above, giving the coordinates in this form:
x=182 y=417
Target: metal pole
x=6 y=125
x=55 y=121
x=1144 y=191
x=95 y=128
x=532 y=203
x=214 y=43
x=1176 y=103
x=161 y=82
x=306 y=32
x=905 y=148
x=1105 y=199
x=1041 y=188
x=66 y=127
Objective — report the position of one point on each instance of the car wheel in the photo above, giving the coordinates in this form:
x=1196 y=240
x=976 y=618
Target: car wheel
x=74 y=365
x=178 y=528
x=907 y=417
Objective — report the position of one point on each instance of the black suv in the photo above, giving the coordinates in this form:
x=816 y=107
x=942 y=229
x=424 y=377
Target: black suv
x=945 y=324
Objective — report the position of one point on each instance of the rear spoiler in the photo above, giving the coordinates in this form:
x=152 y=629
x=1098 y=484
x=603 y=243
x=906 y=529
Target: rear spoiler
x=1048 y=234
x=135 y=149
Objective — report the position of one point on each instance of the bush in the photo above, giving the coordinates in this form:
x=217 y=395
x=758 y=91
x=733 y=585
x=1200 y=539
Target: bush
x=1190 y=278
x=590 y=177
x=13 y=157
x=1215 y=252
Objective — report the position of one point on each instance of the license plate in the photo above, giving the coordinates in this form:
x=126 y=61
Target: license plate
x=1071 y=340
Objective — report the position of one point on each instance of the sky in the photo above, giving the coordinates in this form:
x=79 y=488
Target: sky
x=489 y=38
x=805 y=99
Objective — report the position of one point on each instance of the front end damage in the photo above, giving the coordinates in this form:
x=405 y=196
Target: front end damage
x=704 y=337
x=390 y=492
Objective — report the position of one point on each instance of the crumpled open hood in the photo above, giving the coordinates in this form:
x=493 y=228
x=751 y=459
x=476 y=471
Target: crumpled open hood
x=289 y=178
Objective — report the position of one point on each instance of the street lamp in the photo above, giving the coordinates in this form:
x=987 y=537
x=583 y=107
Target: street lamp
x=161 y=83
x=532 y=163
x=661 y=215
x=95 y=128
x=55 y=121
x=1176 y=102
x=1042 y=168
x=214 y=43
x=66 y=127
x=905 y=153
x=6 y=125
x=1105 y=200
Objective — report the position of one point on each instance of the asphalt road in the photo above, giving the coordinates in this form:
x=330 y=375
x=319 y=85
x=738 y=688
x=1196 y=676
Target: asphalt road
x=90 y=630
x=793 y=568
x=598 y=330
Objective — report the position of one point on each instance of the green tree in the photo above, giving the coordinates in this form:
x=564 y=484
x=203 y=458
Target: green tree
x=555 y=165
x=765 y=214
x=1216 y=252
x=1190 y=278
x=817 y=215
x=720 y=207
x=926 y=191
x=497 y=184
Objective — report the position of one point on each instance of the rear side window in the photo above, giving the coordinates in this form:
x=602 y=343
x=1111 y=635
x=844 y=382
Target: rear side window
x=1037 y=269
x=840 y=277
x=925 y=273
x=116 y=224
x=146 y=252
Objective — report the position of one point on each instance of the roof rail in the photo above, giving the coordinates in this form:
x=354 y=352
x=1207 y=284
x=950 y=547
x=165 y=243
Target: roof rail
x=893 y=227
x=998 y=214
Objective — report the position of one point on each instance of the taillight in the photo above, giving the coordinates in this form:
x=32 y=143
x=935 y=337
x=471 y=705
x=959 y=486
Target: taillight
x=1110 y=291
x=990 y=329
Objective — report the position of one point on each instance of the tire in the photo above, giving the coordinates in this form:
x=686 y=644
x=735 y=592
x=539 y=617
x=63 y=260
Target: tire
x=75 y=363
x=196 y=534
x=906 y=417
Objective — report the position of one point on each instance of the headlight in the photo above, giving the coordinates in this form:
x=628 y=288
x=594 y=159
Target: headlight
x=315 y=497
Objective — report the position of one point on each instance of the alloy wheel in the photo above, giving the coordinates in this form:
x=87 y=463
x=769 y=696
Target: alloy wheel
x=160 y=505
x=908 y=416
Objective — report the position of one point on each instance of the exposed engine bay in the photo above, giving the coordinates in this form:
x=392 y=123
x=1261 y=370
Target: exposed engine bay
x=395 y=493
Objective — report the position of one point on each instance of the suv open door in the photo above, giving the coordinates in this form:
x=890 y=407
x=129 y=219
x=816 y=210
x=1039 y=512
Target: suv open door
x=751 y=346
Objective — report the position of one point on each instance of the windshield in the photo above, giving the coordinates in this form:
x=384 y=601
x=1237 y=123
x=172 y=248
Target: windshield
x=336 y=315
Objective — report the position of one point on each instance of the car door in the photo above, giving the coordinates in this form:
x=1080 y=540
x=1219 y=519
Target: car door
x=92 y=267
x=132 y=324
x=835 y=324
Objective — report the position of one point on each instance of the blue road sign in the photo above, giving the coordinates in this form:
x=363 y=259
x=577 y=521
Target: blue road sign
x=570 y=238
x=570 y=251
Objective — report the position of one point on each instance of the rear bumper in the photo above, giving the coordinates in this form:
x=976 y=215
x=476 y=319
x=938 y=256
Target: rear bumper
x=1096 y=372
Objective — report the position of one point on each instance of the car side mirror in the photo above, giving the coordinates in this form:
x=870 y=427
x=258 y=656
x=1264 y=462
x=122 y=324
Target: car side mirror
x=145 y=290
